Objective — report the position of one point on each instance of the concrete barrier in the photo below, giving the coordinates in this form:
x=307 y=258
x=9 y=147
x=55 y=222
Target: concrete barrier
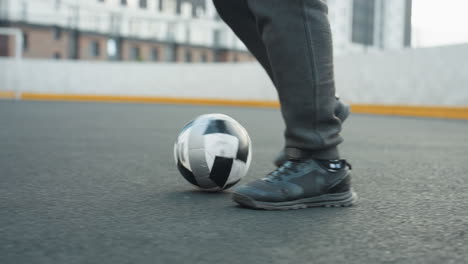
x=417 y=77
x=217 y=81
x=429 y=76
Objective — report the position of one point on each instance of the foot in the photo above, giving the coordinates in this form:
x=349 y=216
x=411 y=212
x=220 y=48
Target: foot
x=342 y=111
x=300 y=184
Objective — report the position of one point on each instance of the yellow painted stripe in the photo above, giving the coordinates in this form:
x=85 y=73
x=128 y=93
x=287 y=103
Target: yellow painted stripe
x=146 y=99
x=398 y=110
x=7 y=95
x=416 y=111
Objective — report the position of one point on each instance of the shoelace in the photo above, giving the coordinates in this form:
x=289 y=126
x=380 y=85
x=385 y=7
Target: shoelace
x=290 y=166
x=285 y=169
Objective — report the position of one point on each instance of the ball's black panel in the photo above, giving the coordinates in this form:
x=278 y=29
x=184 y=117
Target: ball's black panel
x=243 y=150
x=221 y=170
x=219 y=126
x=231 y=128
x=231 y=184
x=188 y=175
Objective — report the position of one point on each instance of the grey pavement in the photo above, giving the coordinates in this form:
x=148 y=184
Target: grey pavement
x=96 y=183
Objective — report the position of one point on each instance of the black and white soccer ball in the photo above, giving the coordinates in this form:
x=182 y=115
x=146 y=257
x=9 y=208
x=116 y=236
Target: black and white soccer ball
x=213 y=152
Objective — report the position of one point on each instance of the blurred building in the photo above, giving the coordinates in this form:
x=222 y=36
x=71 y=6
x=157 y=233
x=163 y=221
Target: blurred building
x=364 y=25
x=177 y=30
x=142 y=30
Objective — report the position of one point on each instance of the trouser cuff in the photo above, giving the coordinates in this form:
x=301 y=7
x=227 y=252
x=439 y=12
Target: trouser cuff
x=325 y=154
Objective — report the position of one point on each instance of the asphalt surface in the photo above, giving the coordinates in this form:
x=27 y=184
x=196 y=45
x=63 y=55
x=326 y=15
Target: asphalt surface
x=96 y=183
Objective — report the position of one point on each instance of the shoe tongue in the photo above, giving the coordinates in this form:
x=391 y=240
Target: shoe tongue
x=332 y=164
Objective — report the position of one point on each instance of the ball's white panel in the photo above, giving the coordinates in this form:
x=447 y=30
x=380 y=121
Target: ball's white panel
x=196 y=140
x=238 y=171
x=182 y=148
x=221 y=145
x=200 y=168
x=175 y=152
x=249 y=158
x=239 y=168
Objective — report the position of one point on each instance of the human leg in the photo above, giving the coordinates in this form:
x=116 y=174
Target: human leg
x=297 y=38
x=238 y=15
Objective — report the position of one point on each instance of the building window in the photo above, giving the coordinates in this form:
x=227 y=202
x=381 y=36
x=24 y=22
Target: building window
x=113 y=49
x=143 y=3
x=24 y=10
x=161 y=5
x=123 y=2
x=94 y=49
x=217 y=38
x=204 y=57
x=188 y=56
x=170 y=53
x=25 y=41
x=135 y=53
x=363 y=22
x=57 y=32
x=154 y=54
x=4 y=52
x=408 y=13
x=179 y=7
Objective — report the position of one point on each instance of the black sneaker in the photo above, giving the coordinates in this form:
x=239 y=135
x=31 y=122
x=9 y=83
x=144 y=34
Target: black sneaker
x=300 y=184
x=342 y=111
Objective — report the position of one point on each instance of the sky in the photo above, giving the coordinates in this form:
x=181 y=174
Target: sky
x=439 y=22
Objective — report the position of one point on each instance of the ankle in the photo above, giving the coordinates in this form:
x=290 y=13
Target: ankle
x=301 y=154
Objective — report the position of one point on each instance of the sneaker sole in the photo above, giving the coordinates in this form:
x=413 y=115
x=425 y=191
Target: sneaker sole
x=327 y=200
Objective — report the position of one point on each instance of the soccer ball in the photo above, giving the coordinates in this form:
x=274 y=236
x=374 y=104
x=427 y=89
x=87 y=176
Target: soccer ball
x=213 y=152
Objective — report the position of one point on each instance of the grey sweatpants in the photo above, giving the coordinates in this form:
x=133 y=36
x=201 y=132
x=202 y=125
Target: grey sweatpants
x=292 y=40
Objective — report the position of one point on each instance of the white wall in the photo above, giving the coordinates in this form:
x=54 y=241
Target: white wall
x=430 y=76
x=236 y=81
x=433 y=76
